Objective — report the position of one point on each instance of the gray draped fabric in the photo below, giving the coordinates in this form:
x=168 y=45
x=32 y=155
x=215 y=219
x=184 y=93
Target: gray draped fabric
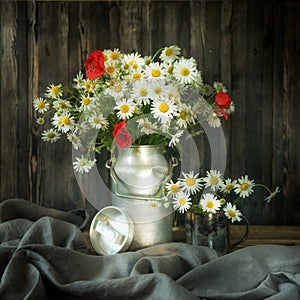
x=44 y=255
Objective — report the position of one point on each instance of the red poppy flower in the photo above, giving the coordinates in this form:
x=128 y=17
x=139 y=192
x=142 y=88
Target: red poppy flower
x=223 y=101
x=94 y=65
x=122 y=137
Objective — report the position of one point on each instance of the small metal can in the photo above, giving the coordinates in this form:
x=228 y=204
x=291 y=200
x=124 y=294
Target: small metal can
x=111 y=231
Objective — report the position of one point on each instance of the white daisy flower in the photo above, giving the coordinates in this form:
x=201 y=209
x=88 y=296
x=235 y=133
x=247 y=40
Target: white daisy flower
x=117 y=89
x=40 y=121
x=141 y=91
x=154 y=203
x=231 y=108
x=185 y=70
x=155 y=71
x=210 y=203
x=182 y=201
x=133 y=61
x=213 y=120
x=272 y=195
x=158 y=90
x=41 y=105
x=244 y=187
x=86 y=103
x=62 y=105
x=75 y=140
x=219 y=87
x=172 y=188
x=227 y=185
x=50 y=135
x=125 y=108
x=232 y=213
x=63 y=122
x=170 y=54
x=213 y=179
x=78 y=80
x=175 y=138
x=146 y=126
x=98 y=121
x=186 y=116
x=83 y=164
x=54 y=91
x=114 y=55
x=163 y=110
x=190 y=183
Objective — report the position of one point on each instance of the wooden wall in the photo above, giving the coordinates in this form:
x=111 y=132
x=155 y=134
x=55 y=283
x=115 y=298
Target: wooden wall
x=253 y=46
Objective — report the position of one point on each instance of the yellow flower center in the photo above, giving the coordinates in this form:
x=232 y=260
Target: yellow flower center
x=114 y=55
x=62 y=105
x=164 y=107
x=124 y=108
x=174 y=188
x=190 y=181
x=97 y=120
x=55 y=89
x=135 y=66
x=155 y=73
x=66 y=120
x=143 y=92
x=209 y=204
x=183 y=115
x=40 y=104
x=126 y=67
x=170 y=69
x=132 y=62
x=136 y=76
x=87 y=85
x=182 y=201
x=118 y=88
x=85 y=101
x=231 y=213
x=222 y=201
x=214 y=180
x=229 y=187
x=51 y=135
x=169 y=52
x=245 y=186
x=184 y=71
x=110 y=69
x=59 y=121
x=157 y=90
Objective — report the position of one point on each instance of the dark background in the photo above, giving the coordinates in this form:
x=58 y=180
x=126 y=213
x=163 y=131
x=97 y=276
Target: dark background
x=253 y=47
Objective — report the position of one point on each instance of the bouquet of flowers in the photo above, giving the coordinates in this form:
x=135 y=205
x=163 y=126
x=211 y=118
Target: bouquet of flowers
x=216 y=190
x=128 y=99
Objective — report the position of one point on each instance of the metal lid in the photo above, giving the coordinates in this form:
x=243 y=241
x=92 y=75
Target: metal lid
x=111 y=231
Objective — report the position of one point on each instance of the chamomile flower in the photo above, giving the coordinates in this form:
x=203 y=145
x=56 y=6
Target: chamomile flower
x=227 y=185
x=86 y=103
x=231 y=108
x=272 y=195
x=41 y=105
x=125 y=108
x=155 y=71
x=62 y=105
x=213 y=179
x=75 y=140
x=185 y=70
x=154 y=203
x=98 y=121
x=63 y=122
x=146 y=126
x=175 y=138
x=190 y=182
x=50 y=135
x=232 y=213
x=132 y=61
x=117 y=89
x=210 y=203
x=186 y=116
x=54 y=91
x=83 y=164
x=163 y=110
x=182 y=201
x=40 y=121
x=244 y=187
x=173 y=188
x=158 y=90
x=219 y=87
x=141 y=91
x=214 y=120
x=169 y=54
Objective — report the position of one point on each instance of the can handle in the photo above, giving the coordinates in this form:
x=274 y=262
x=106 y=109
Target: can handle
x=109 y=233
x=243 y=238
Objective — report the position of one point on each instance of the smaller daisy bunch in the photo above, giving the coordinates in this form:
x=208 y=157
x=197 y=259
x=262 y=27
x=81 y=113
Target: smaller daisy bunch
x=130 y=99
x=215 y=191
